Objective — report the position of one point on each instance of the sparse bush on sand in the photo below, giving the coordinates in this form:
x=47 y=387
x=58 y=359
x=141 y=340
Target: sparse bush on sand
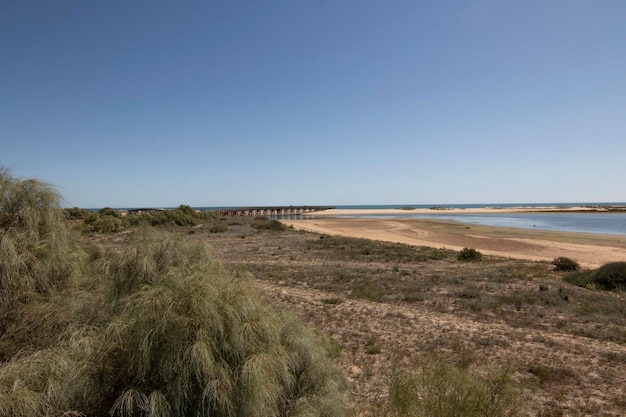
x=469 y=255
x=439 y=388
x=265 y=224
x=610 y=276
x=159 y=329
x=102 y=223
x=565 y=264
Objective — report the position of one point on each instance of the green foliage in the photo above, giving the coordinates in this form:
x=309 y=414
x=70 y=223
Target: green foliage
x=102 y=223
x=108 y=211
x=188 y=210
x=439 y=388
x=76 y=213
x=264 y=224
x=162 y=329
x=469 y=255
x=35 y=250
x=565 y=264
x=182 y=216
x=611 y=276
x=199 y=334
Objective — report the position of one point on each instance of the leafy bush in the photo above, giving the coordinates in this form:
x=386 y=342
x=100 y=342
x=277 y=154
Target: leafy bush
x=265 y=224
x=108 y=211
x=76 y=213
x=469 y=255
x=102 y=223
x=565 y=264
x=611 y=276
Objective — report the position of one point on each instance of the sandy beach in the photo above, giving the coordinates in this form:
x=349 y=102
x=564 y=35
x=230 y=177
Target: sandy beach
x=590 y=250
x=480 y=210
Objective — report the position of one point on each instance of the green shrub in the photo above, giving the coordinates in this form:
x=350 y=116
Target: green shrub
x=198 y=338
x=35 y=250
x=108 y=211
x=583 y=279
x=264 y=224
x=161 y=329
x=37 y=261
x=469 y=255
x=185 y=209
x=177 y=217
x=102 y=223
x=565 y=264
x=76 y=213
x=611 y=276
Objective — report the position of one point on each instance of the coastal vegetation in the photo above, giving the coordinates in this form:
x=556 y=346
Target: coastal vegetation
x=610 y=277
x=156 y=328
x=242 y=316
x=469 y=255
x=566 y=264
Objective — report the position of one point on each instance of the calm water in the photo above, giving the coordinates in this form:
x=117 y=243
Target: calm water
x=603 y=223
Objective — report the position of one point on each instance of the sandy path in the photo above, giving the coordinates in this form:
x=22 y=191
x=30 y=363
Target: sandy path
x=588 y=249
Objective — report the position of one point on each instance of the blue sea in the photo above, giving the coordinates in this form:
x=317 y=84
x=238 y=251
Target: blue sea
x=582 y=222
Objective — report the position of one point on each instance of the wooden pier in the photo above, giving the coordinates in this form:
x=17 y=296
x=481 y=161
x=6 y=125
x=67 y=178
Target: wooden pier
x=270 y=211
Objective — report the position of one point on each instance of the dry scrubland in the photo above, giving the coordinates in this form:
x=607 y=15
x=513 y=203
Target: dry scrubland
x=390 y=307
x=145 y=320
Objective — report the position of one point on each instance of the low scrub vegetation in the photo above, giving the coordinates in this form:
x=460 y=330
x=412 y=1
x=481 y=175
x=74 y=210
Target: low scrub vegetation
x=160 y=328
x=470 y=255
x=565 y=264
x=262 y=223
x=611 y=276
x=149 y=322
x=437 y=387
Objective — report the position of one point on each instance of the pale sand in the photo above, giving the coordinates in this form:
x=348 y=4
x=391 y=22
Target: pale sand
x=590 y=250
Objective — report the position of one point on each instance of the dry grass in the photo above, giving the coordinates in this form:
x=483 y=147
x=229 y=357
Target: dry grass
x=143 y=324
x=564 y=345
x=387 y=306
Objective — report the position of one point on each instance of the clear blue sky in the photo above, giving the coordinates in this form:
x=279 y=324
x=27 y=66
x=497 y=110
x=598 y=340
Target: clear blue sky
x=214 y=103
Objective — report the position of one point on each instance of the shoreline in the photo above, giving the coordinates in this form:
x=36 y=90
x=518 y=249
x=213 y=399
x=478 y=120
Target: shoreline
x=588 y=249
x=480 y=210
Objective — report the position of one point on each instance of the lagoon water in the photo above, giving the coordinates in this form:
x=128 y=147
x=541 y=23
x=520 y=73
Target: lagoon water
x=602 y=223
x=582 y=222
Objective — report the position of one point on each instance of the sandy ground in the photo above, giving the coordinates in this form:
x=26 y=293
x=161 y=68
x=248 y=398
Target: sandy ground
x=590 y=250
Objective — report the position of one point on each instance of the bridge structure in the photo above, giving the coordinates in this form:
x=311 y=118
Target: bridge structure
x=270 y=211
